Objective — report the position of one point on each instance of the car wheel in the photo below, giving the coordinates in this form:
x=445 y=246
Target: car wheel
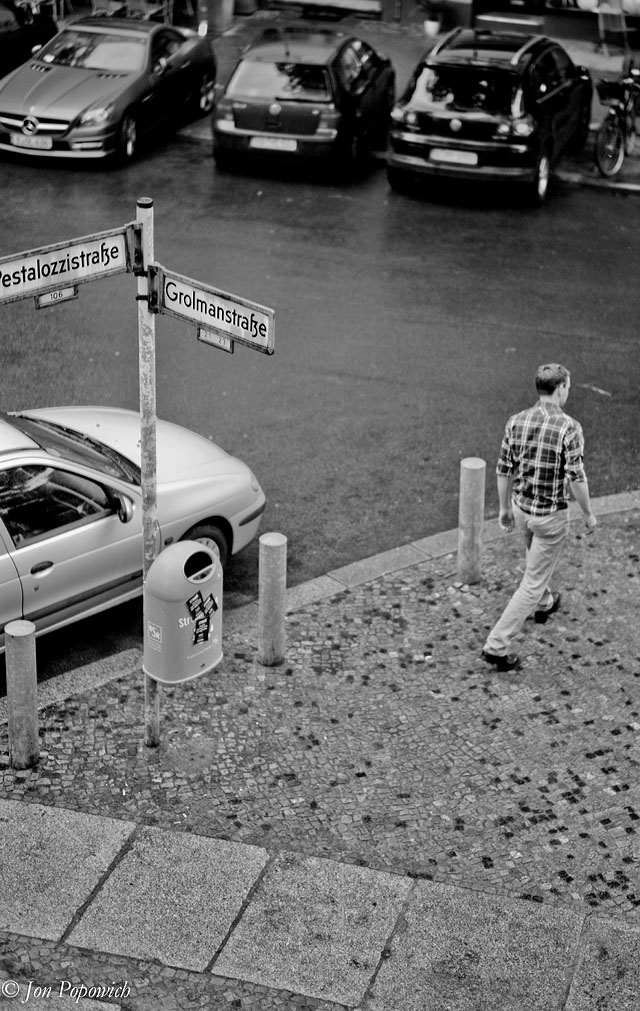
x=397 y=180
x=582 y=133
x=127 y=138
x=212 y=537
x=350 y=155
x=382 y=127
x=224 y=161
x=540 y=185
x=204 y=97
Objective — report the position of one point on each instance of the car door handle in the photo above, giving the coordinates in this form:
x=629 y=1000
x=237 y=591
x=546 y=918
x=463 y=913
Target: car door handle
x=41 y=567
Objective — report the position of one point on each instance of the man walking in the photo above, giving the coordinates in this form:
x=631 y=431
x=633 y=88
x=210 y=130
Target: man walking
x=540 y=466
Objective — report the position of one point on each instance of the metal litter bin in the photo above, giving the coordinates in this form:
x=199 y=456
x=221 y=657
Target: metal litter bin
x=183 y=613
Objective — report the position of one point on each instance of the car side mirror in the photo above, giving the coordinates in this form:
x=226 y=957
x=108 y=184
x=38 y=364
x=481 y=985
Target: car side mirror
x=160 y=66
x=35 y=49
x=125 y=507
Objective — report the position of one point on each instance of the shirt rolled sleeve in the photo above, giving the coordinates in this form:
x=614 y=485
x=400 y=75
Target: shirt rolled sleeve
x=574 y=453
x=506 y=463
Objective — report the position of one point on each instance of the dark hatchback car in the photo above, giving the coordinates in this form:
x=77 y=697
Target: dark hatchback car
x=304 y=93
x=21 y=28
x=490 y=106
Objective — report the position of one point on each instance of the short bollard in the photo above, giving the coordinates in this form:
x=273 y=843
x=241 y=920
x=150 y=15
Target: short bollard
x=272 y=595
x=22 y=693
x=471 y=519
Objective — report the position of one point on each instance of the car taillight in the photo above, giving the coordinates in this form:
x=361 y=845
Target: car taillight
x=328 y=121
x=224 y=111
x=522 y=127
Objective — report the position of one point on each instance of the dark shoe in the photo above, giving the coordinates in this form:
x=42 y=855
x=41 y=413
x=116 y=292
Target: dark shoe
x=542 y=615
x=508 y=661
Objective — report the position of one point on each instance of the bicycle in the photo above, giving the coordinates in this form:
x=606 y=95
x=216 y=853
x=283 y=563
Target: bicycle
x=616 y=134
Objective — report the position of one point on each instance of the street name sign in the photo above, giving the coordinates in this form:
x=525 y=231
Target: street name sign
x=213 y=310
x=65 y=264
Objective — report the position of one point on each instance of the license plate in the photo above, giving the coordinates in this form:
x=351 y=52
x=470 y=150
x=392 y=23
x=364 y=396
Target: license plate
x=273 y=144
x=37 y=143
x=454 y=157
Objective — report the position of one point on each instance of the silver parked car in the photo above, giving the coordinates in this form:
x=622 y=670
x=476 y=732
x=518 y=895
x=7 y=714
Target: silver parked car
x=71 y=508
x=101 y=85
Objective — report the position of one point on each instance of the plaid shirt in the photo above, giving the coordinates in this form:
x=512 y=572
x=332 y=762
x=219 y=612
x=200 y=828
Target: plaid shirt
x=542 y=449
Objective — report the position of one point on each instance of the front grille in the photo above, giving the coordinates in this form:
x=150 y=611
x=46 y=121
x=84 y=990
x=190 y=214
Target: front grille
x=13 y=121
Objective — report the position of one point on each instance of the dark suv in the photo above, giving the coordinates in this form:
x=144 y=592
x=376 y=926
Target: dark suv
x=304 y=93
x=493 y=106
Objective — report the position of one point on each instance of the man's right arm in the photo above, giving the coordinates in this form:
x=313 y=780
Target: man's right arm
x=580 y=492
x=574 y=449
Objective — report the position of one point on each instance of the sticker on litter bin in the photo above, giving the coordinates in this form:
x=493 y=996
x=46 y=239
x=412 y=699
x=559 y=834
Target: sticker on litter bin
x=201 y=610
x=154 y=635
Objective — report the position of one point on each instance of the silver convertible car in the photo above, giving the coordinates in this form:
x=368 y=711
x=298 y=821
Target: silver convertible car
x=71 y=508
x=101 y=84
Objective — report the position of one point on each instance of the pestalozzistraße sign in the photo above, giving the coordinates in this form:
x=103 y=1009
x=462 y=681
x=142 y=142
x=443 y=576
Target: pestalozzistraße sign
x=65 y=263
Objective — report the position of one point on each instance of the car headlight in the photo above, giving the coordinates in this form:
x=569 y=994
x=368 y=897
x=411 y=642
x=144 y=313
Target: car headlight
x=96 y=116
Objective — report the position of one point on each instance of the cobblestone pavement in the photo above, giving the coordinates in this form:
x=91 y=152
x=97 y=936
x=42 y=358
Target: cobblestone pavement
x=382 y=741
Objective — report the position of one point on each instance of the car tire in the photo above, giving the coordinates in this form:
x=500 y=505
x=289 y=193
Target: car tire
x=204 y=95
x=382 y=127
x=538 y=188
x=212 y=537
x=397 y=180
x=350 y=156
x=224 y=161
x=127 y=143
x=581 y=135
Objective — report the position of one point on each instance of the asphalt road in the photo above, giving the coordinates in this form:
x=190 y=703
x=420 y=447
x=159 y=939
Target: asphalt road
x=407 y=329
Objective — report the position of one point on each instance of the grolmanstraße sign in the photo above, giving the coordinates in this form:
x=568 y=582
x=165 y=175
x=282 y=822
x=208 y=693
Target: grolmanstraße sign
x=211 y=309
x=65 y=263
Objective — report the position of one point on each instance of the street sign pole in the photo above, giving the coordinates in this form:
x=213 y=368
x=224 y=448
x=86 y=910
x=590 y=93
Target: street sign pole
x=147 y=383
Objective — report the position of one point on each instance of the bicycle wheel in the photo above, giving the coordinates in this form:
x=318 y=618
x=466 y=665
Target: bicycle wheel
x=630 y=139
x=609 y=149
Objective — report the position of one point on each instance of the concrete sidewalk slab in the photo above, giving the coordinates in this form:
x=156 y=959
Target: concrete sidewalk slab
x=52 y=860
x=315 y=927
x=607 y=977
x=173 y=897
x=460 y=950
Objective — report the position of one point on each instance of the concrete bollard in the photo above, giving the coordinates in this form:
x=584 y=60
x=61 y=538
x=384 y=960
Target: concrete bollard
x=272 y=592
x=471 y=519
x=22 y=693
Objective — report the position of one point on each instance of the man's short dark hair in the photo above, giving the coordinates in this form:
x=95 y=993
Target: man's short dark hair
x=549 y=377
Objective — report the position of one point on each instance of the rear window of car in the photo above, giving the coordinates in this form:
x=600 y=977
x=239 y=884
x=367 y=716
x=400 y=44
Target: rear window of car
x=465 y=89
x=95 y=51
x=300 y=81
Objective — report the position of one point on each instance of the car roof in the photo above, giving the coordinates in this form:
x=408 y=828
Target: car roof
x=296 y=45
x=11 y=438
x=482 y=47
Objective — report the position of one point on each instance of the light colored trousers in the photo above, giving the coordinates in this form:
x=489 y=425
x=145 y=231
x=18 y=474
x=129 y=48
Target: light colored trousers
x=544 y=537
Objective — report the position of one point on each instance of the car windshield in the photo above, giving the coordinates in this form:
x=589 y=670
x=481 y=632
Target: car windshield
x=465 y=89
x=95 y=51
x=299 y=81
x=67 y=444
